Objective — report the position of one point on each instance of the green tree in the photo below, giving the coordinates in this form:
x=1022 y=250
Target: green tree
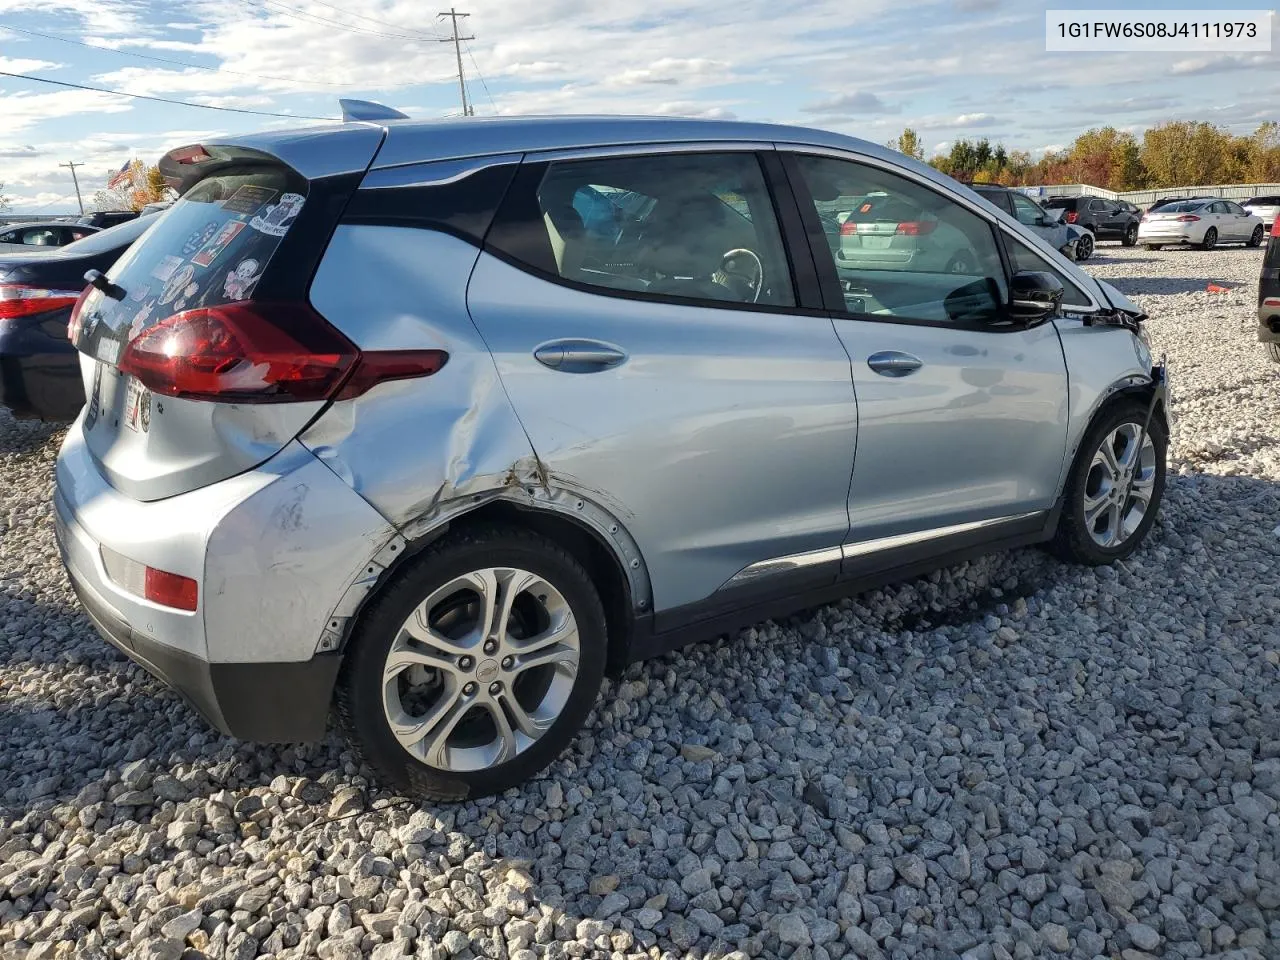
x=908 y=142
x=1186 y=153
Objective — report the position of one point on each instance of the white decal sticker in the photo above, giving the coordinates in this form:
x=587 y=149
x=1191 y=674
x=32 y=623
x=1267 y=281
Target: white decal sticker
x=132 y=403
x=163 y=270
x=241 y=281
x=279 y=217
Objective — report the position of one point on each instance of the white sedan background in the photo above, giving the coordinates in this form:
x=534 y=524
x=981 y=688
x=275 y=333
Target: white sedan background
x=1205 y=223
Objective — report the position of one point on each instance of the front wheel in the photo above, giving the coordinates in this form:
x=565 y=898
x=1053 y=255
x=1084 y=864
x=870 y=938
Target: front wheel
x=1130 y=235
x=476 y=666
x=1255 y=239
x=1084 y=247
x=1115 y=487
x=1210 y=239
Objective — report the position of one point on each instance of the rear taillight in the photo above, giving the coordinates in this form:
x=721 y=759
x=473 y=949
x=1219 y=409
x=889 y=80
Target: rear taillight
x=1275 y=227
x=1072 y=216
x=19 y=300
x=1187 y=218
x=251 y=352
x=76 y=324
x=158 y=586
x=848 y=229
x=916 y=228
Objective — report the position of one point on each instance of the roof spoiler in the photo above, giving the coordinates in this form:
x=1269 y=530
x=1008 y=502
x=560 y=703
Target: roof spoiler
x=368 y=110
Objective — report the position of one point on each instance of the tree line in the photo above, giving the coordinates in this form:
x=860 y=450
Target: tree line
x=1175 y=154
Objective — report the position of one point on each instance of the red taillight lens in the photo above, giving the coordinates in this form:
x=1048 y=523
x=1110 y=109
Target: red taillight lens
x=916 y=228
x=248 y=352
x=1072 y=216
x=252 y=352
x=1275 y=227
x=170 y=589
x=76 y=323
x=848 y=229
x=1187 y=218
x=19 y=300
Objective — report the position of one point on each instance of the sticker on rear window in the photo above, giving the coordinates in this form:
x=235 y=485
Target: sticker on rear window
x=140 y=294
x=108 y=351
x=163 y=270
x=280 y=216
x=176 y=283
x=199 y=238
x=213 y=249
x=248 y=199
x=241 y=281
x=140 y=320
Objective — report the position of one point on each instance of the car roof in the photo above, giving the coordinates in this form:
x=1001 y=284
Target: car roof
x=45 y=223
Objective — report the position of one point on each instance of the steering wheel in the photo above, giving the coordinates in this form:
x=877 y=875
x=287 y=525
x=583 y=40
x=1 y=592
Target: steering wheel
x=742 y=265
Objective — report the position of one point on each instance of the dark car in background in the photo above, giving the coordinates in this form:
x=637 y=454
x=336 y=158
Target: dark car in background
x=1269 y=296
x=1075 y=243
x=19 y=237
x=1105 y=219
x=108 y=218
x=39 y=369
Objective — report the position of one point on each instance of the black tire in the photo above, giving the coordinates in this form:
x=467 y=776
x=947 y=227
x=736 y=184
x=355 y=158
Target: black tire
x=1273 y=351
x=1084 y=247
x=1210 y=239
x=1154 y=246
x=359 y=695
x=1130 y=238
x=1255 y=240
x=961 y=263
x=1072 y=540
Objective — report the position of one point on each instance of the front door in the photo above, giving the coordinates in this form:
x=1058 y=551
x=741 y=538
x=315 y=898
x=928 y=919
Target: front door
x=962 y=413
x=663 y=363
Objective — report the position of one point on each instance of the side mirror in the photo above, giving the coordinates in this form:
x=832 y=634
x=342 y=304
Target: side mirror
x=1034 y=295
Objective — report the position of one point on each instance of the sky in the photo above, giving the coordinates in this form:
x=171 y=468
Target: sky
x=947 y=68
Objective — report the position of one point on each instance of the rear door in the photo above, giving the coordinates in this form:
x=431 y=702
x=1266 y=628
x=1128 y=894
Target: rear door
x=681 y=373
x=962 y=413
x=186 y=356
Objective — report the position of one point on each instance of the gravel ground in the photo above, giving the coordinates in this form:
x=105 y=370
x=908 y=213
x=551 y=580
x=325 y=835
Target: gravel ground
x=1010 y=758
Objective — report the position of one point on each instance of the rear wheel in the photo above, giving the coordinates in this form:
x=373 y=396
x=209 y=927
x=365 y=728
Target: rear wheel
x=1255 y=239
x=1130 y=237
x=476 y=667
x=1273 y=351
x=1210 y=239
x=1115 y=487
x=1084 y=247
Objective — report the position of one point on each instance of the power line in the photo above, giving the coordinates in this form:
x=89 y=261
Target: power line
x=483 y=83
x=315 y=18
x=360 y=16
x=74 y=179
x=180 y=103
x=176 y=63
x=456 y=40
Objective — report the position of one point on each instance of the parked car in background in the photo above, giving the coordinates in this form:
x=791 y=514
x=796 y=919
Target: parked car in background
x=1075 y=244
x=109 y=218
x=1264 y=208
x=1105 y=219
x=1204 y=223
x=1170 y=201
x=413 y=438
x=39 y=369
x=52 y=233
x=1269 y=296
x=892 y=231
x=1133 y=208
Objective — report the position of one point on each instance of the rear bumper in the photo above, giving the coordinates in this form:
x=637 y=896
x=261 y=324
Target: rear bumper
x=39 y=373
x=272 y=550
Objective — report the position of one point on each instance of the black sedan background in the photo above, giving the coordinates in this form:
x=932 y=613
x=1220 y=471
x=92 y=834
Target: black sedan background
x=39 y=369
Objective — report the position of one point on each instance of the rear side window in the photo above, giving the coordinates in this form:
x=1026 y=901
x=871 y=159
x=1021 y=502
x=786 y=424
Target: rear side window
x=209 y=249
x=1061 y=203
x=694 y=226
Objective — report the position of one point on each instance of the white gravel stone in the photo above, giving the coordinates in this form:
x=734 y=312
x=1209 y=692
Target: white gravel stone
x=1006 y=758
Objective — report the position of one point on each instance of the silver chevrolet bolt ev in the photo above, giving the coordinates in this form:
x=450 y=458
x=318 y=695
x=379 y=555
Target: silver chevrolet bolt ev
x=435 y=422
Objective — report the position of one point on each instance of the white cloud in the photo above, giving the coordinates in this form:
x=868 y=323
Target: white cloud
x=23 y=110
x=849 y=105
x=26 y=66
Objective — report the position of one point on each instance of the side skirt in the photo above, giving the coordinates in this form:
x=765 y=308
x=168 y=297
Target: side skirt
x=731 y=609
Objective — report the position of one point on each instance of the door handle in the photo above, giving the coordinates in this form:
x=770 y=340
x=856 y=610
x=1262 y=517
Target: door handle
x=578 y=356
x=894 y=363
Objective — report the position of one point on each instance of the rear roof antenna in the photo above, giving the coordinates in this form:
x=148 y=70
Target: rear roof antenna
x=368 y=110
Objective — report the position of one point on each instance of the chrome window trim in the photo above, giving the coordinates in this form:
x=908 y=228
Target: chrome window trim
x=421 y=174
x=921 y=180
x=849 y=551
x=639 y=149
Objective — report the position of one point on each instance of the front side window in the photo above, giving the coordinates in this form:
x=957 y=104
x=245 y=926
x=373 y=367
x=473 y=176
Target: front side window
x=1234 y=208
x=696 y=226
x=1022 y=257
x=1026 y=210
x=903 y=250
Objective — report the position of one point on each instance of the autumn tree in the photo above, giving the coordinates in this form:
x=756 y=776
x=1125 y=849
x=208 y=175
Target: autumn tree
x=1106 y=157
x=908 y=142
x=1184 y=153
x=143 y=185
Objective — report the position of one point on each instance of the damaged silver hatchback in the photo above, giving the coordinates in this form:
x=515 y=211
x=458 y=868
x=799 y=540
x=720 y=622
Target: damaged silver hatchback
x=428 y=425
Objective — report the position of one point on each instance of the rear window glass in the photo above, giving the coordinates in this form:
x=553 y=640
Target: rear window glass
x=1061 y=203
x=208 y=249
x=1184 y=207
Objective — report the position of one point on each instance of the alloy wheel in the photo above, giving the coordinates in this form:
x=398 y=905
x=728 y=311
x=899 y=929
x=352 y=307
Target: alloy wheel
x=1119 y=486
x=1084 y=249
x=481 y=669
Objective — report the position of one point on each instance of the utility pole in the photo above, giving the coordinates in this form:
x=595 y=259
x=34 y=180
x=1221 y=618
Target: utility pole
x=467 y=110
x=76 y=180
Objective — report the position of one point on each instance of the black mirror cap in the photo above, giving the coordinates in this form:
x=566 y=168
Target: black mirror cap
x=1035 y=294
